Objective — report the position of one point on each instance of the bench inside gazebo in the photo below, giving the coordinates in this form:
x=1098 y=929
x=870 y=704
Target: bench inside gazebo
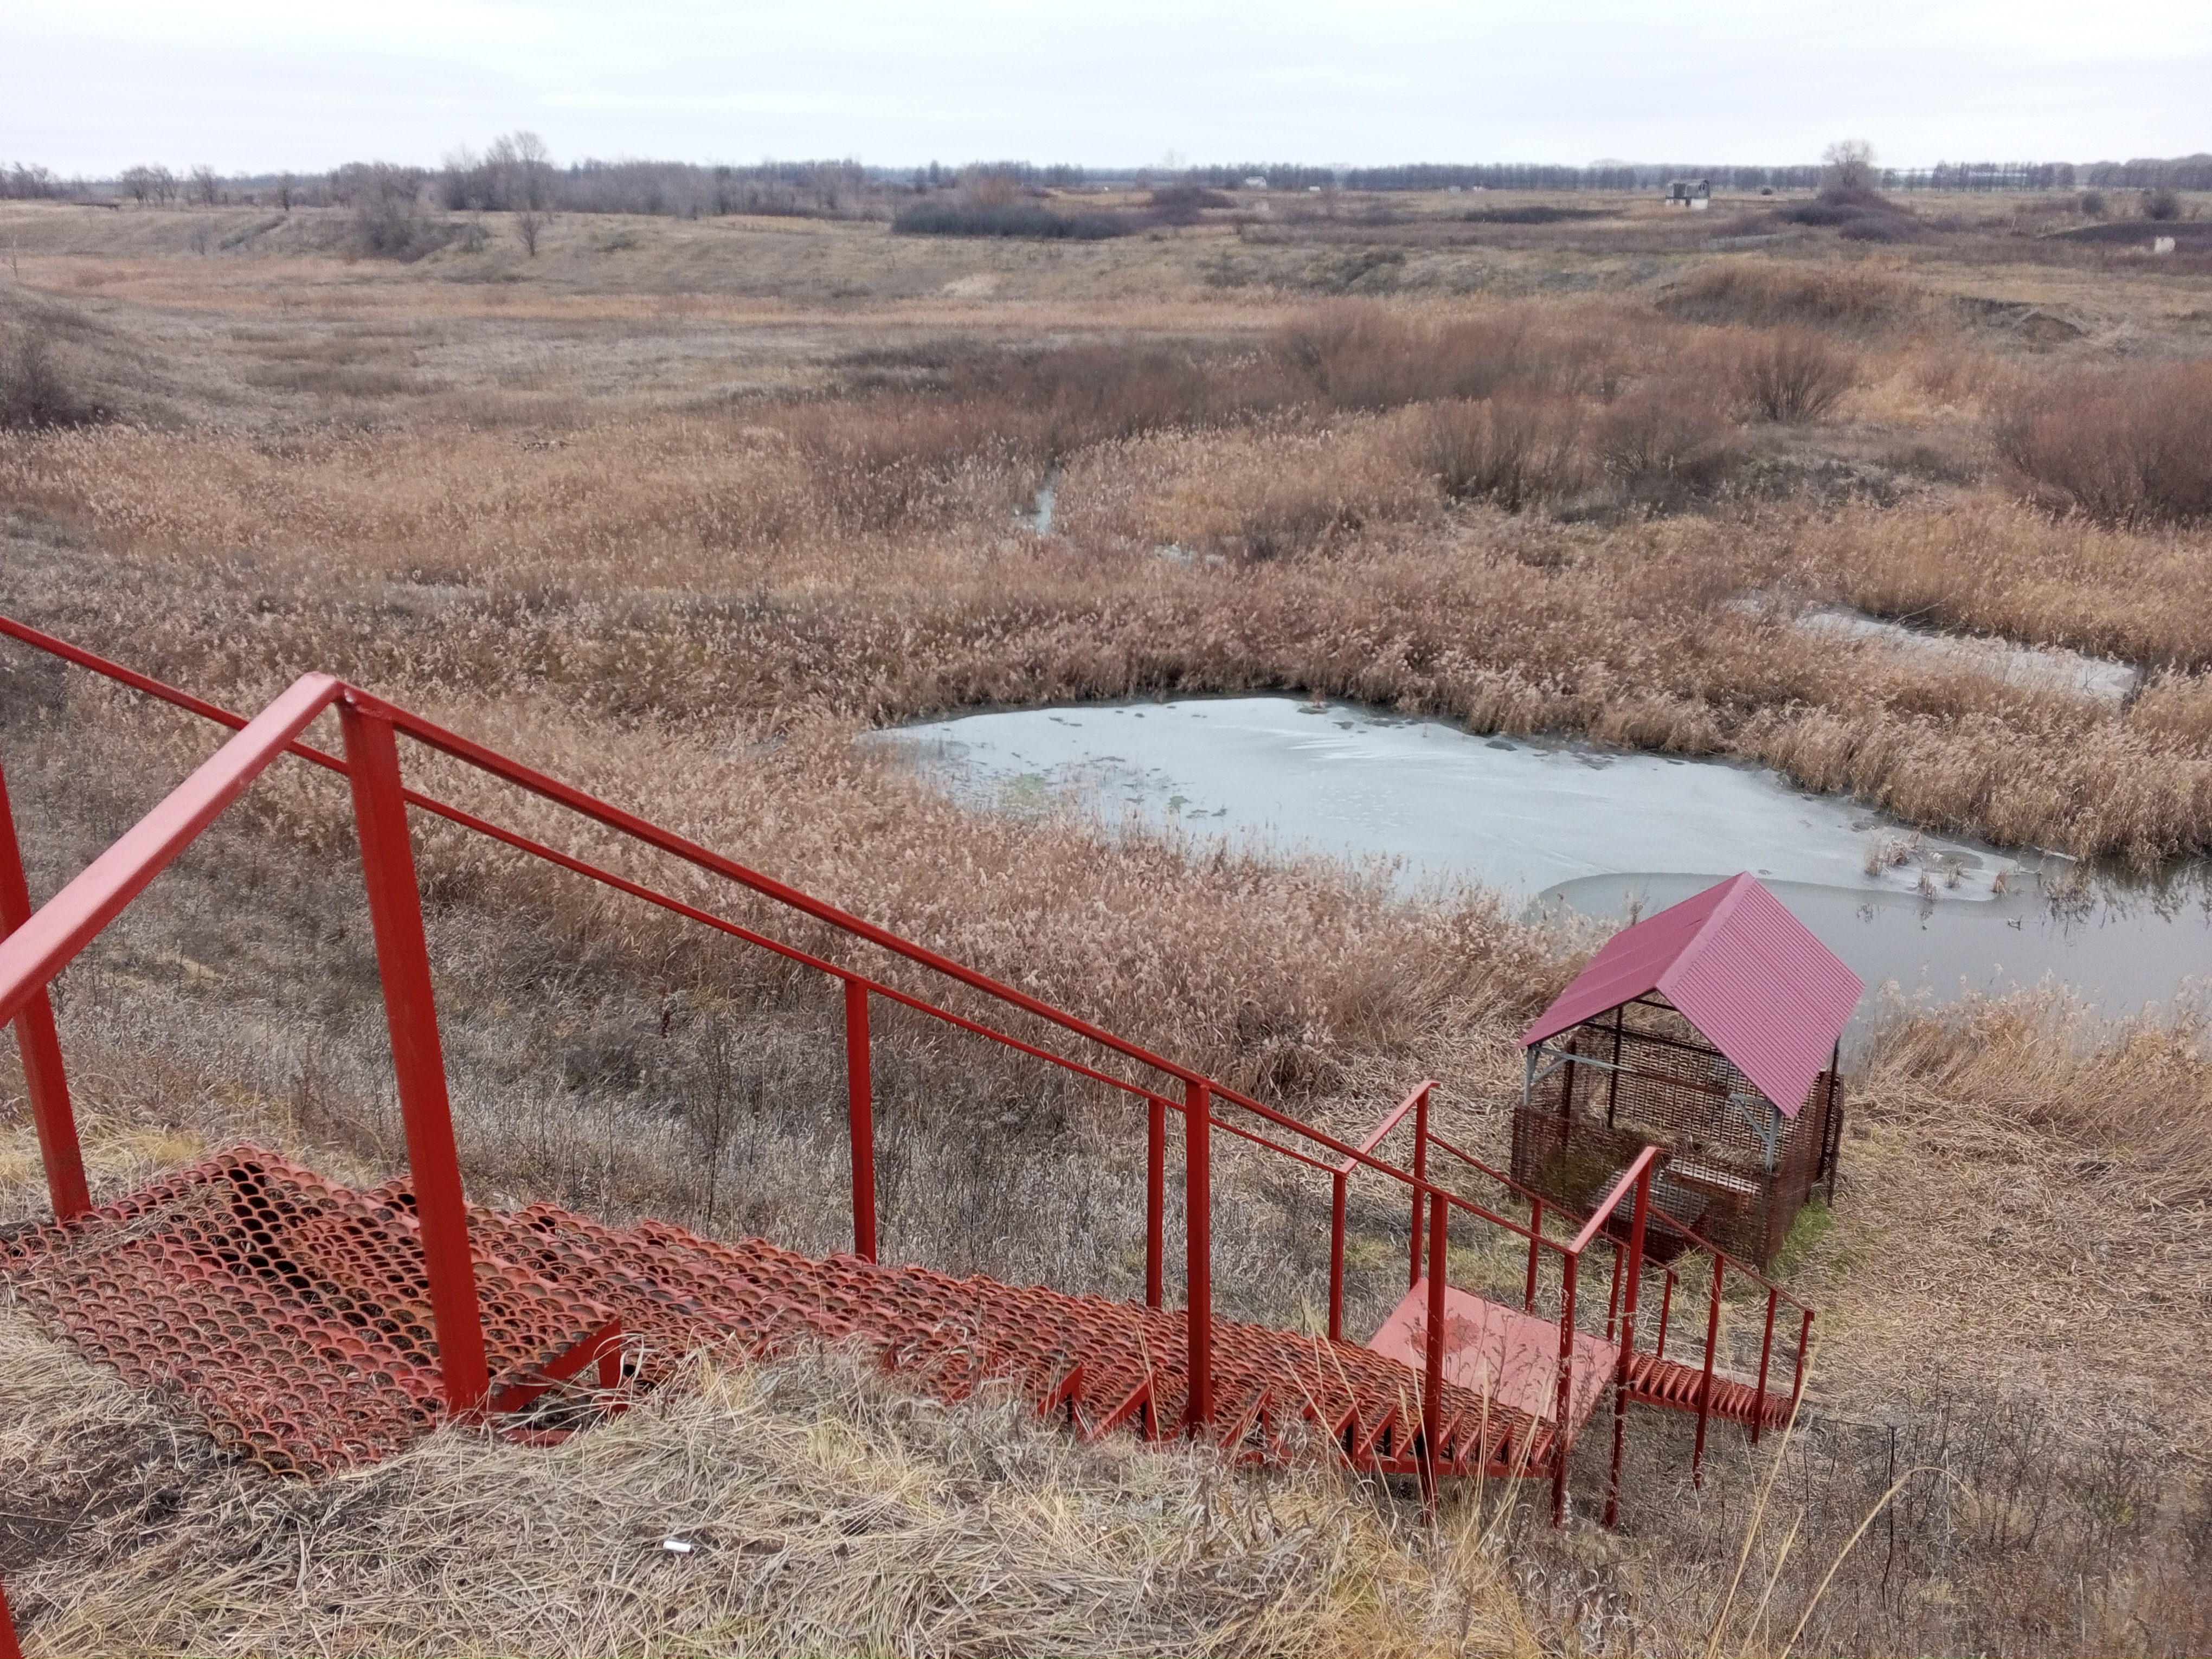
x=1712 y=1030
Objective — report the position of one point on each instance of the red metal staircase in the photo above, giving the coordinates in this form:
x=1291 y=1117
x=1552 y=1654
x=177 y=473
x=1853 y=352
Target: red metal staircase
x=311 y=1327
x=288 y=1315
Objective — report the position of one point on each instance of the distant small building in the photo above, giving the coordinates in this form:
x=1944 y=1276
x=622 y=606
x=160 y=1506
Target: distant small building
x=1257 y=181
x=1696 y=194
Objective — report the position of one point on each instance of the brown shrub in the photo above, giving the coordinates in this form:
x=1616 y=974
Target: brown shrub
x=1769 y=295
x=1081 y=395
x=1792 y=375
x=1515 y=449
x=34 y=391
x=1361 y=354
x=2129 y=447
x=1659 y=433
x=1961 y=375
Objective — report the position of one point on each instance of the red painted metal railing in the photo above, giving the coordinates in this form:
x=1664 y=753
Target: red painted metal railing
x=39 y=944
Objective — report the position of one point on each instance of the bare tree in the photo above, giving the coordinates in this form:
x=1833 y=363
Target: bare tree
x=286 y=186
x=528 y=223
x=206 y=187
x=1850 y=164
x=138 y=184
x=533 y=170
x=499 y=172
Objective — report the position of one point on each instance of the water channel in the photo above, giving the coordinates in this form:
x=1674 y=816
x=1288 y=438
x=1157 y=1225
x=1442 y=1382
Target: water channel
x=1601 y=833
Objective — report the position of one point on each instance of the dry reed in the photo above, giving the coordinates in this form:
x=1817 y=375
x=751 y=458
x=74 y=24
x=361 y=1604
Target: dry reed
x=695 y=613
x=824 y=1509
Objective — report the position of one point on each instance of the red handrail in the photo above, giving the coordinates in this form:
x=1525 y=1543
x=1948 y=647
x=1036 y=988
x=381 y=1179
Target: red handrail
x=1340 y=1176
x=642 y=830
x=41 y=942
x=1697 y=1240
x=34 y=953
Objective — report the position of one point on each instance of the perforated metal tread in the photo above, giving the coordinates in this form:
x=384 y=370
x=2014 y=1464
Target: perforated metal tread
x=1671 y=1383
x=290 y=1314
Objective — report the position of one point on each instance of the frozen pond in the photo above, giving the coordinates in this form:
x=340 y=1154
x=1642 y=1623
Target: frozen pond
x=1589 y=830
x=2042 y=668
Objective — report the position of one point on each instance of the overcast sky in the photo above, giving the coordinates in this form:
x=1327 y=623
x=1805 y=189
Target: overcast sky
x=92 y=86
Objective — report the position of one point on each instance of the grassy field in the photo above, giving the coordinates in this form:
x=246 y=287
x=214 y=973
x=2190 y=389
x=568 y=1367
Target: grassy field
x=675 y=509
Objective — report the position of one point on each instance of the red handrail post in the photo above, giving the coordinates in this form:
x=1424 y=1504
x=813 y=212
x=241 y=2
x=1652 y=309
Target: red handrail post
x=1156 y=1198
x=1336 y=1208
x=1705 y=1384
x=1632 y=1267
x=10 y=1648
x=402 y=956
x=1420 y=1180
x=1766 y=1349
x=1570 y=1263
x=1612 y=1296
x=40 y=1045
x=1804 y=1345
x=1198 y=1253
x=860 y=1105
x=1432 y=1356
x=1666 y=1310
x=1535 y=1243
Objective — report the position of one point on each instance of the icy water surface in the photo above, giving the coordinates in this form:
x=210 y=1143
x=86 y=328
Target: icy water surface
x=1598 y=832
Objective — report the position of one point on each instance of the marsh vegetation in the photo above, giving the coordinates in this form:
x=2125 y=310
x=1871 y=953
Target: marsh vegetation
x=677 y=508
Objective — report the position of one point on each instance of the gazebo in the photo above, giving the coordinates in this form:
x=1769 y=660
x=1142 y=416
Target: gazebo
x=1710 y=1029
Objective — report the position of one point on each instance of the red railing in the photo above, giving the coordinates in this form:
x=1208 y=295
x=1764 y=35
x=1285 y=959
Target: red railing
x=1634 y=1187
x=40 y=944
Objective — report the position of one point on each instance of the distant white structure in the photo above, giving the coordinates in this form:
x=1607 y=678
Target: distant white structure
x=1255 y=182
x=1695 y=194
x=2161 y=245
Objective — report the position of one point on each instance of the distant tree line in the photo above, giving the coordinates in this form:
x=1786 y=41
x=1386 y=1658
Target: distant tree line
x=24 y=183
x=2182 y=172
x=515 y=174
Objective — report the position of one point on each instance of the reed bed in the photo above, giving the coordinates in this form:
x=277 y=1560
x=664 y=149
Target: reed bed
x=653 y=574
x=696 y=614
x=1990 y=566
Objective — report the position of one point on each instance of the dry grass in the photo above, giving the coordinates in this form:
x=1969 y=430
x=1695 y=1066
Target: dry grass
x=828 y=1512
x=1987 y=566
x=2131 y=447
x=680 y=541
x=690 y=570
x=1764 y=293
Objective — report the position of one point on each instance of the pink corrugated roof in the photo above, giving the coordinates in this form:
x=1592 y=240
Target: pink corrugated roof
x=1742 y=970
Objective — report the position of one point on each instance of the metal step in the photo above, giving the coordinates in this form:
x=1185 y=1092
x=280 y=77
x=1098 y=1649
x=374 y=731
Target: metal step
x=290 y=1316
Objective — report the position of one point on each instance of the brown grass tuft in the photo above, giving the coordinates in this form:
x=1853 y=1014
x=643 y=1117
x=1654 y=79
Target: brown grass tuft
x=1792 y=375
x=2127 y=446
x=1764 y=295
x=1514 y=449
